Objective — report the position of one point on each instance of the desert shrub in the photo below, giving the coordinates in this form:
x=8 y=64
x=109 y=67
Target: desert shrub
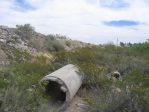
x=131 y=94
x=141 y=48
x=14 y=99
x=24 y=31
x=68 y=43
x=20 y=90
x=101 y=93
x=105 y=99
x=53 y=45
x=3 y=83
x=57 y=47
x=51 y=37
x=137 y=88
x=110 y=47
x=83 y=55
x=93 y=74
x=62 y=58
x=85 y=59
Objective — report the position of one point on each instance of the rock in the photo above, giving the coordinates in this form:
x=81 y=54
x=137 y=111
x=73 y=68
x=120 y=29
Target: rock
x=3 y=58
x=83 y=106
x=114 y=76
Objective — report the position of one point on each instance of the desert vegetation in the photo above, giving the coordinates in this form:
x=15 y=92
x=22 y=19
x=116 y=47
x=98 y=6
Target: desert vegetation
x=21 y=90
x=128 y=95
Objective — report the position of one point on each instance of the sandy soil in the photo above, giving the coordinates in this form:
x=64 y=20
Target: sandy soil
x=75 y=105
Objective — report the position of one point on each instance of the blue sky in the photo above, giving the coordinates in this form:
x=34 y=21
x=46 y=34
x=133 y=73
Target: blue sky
x=114 y=4
x=22 y=5
x=121 y=23
x=94 y=21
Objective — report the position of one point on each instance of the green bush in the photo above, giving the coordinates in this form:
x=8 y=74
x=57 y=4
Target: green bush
x=24 y=31
x=53 y=45
x=142 y=48
x=20 y=90
x=129 y=95
x=137 y=88
x=103 y=94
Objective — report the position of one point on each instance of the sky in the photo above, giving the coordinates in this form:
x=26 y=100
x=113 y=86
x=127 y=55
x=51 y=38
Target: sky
x=92 y=21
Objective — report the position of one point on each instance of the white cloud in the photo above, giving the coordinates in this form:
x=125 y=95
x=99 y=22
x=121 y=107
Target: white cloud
x=80 y=19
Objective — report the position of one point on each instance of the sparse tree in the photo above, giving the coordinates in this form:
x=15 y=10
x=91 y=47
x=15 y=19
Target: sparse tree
x=129 y=44
x=122 y=44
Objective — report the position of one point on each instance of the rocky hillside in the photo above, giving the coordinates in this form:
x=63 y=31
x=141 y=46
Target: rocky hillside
x=24 y=39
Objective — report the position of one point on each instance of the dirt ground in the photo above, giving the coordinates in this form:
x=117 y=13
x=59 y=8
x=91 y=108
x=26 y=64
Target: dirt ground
x=76 y=105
